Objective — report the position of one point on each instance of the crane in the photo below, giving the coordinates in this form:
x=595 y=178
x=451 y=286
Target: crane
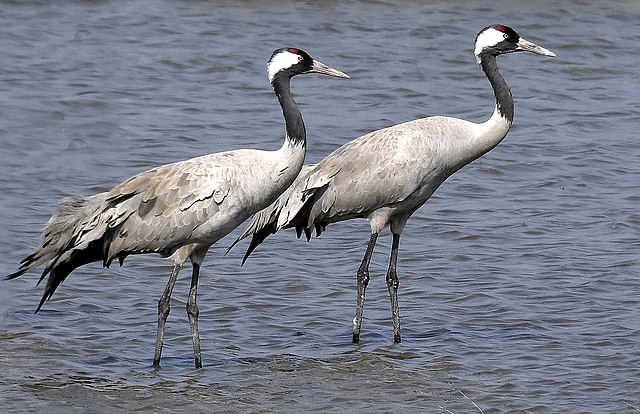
x=386 y=175
x=178 y=210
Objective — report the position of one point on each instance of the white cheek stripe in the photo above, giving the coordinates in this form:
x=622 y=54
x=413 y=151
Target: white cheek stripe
x=281 y=61
x=489 y=37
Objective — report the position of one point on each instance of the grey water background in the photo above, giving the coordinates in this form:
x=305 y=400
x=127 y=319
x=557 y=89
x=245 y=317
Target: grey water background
x=519 y=279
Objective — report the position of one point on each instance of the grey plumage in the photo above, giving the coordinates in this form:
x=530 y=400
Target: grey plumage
x=178 y=210
x=386 y=175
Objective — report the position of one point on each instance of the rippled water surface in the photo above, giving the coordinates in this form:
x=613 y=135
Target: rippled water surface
x=519 y=279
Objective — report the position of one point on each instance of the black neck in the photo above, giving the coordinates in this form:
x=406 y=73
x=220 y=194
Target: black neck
x=296 y=133
x=504 y=100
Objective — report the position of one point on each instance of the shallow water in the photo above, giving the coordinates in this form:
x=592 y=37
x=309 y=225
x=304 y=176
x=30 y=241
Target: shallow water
x=519 y=287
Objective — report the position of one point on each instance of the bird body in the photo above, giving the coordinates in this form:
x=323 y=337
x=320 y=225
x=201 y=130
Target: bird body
x=178 y=210
x=383 y=176
x=200 y=200
x=386 y=175
x=403 y=166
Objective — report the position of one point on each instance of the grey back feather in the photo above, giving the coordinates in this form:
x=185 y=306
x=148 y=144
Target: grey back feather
x=396 y=167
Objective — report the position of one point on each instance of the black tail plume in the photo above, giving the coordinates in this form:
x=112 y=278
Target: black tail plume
x=257 y=238
x=60 y=271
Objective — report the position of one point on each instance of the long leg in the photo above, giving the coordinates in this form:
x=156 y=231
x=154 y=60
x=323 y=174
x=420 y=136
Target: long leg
x=392 y=284
x=363 y=281
x=163 y=312
x=192 y=313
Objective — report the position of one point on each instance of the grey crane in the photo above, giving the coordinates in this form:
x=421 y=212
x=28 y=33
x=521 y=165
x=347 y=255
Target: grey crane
x=386 y=175
x=178 y=210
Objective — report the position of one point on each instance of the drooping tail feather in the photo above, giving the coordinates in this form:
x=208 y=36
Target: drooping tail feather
x=65 y=242
x=257 y=238
x=266 y=222
x=61 y=270
x=262 y=225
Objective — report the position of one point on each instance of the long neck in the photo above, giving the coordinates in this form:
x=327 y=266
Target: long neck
x=504 y=100
x=493 y=131
x=296 y=133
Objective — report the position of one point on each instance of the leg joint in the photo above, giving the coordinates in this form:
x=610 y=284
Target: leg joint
x=363 y=276
x=393 y=283
x=392 y=279
x=192 y=308
x=164 y=306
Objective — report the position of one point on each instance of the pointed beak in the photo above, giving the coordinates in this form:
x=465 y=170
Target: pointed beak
x=527 y=46
x=319 y=67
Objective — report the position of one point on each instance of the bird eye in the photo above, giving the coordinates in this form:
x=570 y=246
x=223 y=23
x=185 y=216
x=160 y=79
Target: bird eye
x=505 y=35
x=300 y=58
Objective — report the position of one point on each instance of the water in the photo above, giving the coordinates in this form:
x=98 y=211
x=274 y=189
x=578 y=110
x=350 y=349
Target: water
x=519 y=287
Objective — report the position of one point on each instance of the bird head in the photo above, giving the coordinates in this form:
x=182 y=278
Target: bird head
x=499 y=39
x=291 y=61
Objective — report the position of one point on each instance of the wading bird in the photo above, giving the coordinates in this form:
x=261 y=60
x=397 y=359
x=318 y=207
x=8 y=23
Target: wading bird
x=178 y=210
x=386 y=175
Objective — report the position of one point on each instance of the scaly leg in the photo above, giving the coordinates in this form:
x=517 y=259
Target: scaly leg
x=392 y=284
x=163 y=312
x=363 y=281
x=192 y=313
